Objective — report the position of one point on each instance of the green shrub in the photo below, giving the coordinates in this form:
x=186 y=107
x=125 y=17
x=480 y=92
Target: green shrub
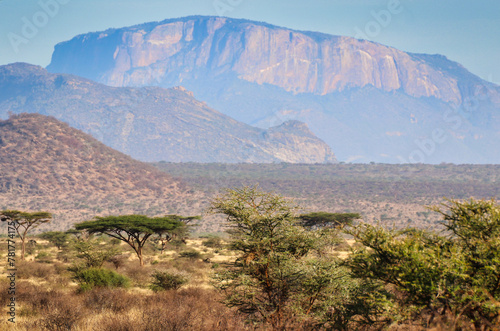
x=99 y=277
x=213 y=242
x=191 y=254
x=42 y=255
x=167 y=281
x=177 y=243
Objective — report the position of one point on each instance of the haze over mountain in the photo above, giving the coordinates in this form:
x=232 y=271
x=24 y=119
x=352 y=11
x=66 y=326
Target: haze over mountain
x=369 y=102
x=48 y=165
x=152 y=123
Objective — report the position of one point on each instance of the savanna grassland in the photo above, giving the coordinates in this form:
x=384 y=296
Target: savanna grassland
x=274 y=270
x=394 y=195
x=49 y=297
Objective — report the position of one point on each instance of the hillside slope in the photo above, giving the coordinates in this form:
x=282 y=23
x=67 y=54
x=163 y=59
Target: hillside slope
x=47 y=165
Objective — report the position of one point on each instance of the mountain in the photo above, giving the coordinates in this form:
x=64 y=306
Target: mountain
x=48 y=165
x=152 y=123
x=368 y=101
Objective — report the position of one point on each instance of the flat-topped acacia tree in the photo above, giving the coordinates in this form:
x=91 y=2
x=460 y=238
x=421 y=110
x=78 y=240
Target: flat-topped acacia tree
x=324 y=219
x=23 y=222
x=135 y=230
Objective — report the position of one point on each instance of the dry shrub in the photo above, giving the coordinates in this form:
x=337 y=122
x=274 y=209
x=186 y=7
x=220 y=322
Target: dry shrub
x=54 y=310
x=189 y=309
x=140 y=276
x=196 y=268
x=115 y=300
x=25 y=270
x=4 y=292
x=61 y=315
x=33 y=298
x=120 y=323
x=117 y=261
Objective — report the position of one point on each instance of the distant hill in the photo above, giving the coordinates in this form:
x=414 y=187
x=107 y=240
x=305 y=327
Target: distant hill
x=368 y=101
x=47 y=165
x=152 y=123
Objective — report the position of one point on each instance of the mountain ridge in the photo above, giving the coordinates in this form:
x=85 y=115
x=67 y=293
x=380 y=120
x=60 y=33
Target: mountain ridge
x=152 y=123
x=353 y=94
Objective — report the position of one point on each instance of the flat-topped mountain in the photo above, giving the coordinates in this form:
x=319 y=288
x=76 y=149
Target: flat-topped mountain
x=152 y=123
x=368 y=101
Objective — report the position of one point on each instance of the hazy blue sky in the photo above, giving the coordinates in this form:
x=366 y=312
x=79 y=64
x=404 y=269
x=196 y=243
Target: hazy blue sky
x=466 y=31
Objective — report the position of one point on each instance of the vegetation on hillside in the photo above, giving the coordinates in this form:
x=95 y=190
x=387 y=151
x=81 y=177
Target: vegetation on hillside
x=46 y=164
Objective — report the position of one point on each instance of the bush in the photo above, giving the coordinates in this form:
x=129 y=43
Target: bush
x=213 y=242
x=177 y=243
x=98 y=277
x=167 y=281
x=42 y=255
x=191 y=254
x=451 y=278
x=93 y=253
x=26 y=270
x=115 y=300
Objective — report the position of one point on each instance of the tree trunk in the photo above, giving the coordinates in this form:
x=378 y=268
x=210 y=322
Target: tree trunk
x=23 y=248
x=139 y=254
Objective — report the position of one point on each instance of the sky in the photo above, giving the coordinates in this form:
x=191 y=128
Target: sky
x=466 y=31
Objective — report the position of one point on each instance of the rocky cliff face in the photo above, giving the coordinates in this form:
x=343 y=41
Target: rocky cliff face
x=353 y=94
x=154 y=124
x=299 y=62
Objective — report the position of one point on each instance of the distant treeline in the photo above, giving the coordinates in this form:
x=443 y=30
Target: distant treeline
x=371 y=182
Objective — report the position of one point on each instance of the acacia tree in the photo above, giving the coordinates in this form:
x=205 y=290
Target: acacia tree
x=324 y=219
x=182 y=232
x=57 y=238
x=453 y=275
x=135 y=230
x=282 y=275
x=24 y=222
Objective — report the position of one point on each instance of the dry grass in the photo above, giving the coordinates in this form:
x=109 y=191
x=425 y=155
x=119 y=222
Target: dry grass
x=47 y=297
x=117 y=309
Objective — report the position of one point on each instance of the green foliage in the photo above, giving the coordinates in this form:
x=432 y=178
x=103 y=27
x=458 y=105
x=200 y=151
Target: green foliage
x=94 y=253
x=135 y=230
x=190 y=254
x=456 y=274
x=57 y=238
x=89 y=278
x=42 y=255
x=323 y=219
x=283 y=275
x=167 y=281
x=134 y=225
x=213 y=242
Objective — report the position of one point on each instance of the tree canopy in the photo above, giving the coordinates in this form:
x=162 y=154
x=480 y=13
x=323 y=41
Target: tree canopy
x=324 y=219
x=24 y=222
x=283 y=273
x=453 y=275
x=135 y=230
